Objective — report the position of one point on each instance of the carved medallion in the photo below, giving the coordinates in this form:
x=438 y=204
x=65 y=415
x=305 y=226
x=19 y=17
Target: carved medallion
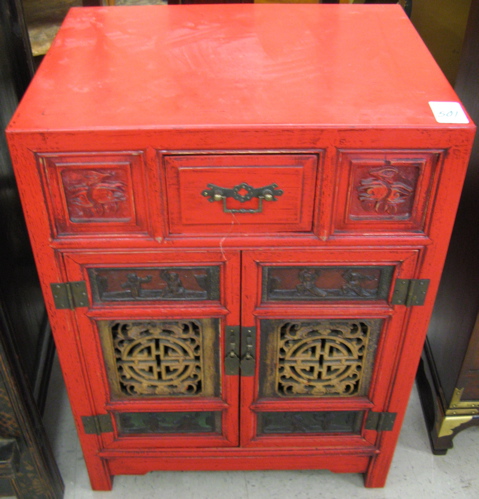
x=161 y=358
x=96 y=195
x=385 y=191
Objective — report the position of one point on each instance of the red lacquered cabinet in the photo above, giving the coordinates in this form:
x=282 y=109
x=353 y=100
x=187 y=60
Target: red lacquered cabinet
x=240 y=215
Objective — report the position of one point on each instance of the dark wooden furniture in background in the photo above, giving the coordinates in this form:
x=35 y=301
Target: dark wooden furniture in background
x=448 y=378
x=27 y=466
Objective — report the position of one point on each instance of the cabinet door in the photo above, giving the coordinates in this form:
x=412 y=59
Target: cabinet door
x=153 y=343
x=325 y=336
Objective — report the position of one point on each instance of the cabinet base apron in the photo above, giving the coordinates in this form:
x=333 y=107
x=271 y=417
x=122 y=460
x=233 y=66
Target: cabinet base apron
x=131 y=463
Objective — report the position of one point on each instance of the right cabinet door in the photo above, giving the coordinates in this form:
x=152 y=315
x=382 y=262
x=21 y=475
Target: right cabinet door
x=325 y=337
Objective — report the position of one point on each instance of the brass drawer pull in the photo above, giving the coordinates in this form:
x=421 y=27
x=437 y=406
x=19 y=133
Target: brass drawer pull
x=242 y=192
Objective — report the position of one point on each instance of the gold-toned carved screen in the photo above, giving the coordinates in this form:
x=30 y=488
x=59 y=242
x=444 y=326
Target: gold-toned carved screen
x=161 y=358
x=318 y=358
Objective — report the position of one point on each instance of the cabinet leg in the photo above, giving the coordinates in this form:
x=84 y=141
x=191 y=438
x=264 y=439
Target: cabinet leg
x=100 y=478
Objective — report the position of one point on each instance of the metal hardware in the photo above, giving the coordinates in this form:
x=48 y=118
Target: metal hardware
x=248 y=340
x=70 y=295
x=242 y=192
x=410 y=292
x=380 y=421
x=96 y=425
x=9 y=458
x=462 y=408
x=450 y=423
x=232 y=360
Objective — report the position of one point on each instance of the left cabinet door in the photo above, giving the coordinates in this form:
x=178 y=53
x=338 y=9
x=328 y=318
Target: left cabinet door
x=153 y=339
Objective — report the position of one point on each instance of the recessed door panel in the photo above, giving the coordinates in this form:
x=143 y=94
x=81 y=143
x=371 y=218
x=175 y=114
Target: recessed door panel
x=311 y=422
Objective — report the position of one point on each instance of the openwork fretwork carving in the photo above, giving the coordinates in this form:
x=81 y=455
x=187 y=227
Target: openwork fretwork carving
x=321 y=358
x=158 y=358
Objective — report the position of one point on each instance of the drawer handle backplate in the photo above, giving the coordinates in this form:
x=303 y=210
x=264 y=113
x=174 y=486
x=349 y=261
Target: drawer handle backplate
x=242 y=192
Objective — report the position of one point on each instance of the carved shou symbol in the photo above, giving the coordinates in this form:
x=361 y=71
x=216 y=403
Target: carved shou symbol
x=327 y=283
x=95 y=195
x=385 y=191
x=321 y=359
x=158 y=358
x=169 y=283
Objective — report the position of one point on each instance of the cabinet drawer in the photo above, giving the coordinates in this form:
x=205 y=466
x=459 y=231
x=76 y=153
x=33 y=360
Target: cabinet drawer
x=241 y=193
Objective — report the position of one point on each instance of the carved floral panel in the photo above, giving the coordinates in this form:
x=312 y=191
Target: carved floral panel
x=97 y=195
x=318 y=283
x=385 y=191
x=101 y=193
x=318 y=358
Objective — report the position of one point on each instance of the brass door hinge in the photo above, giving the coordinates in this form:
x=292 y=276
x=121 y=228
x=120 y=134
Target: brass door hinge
x=95 y=425
x=70 y=294
x=380 y=421
x=410 y=292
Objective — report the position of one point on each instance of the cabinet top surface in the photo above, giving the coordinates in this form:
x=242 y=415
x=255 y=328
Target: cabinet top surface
x=153 y=67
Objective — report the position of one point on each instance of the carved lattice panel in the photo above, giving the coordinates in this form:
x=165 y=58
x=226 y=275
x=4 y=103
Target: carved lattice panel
x=161 y=358
x=316 y=283
x=318 y=358
x=154 y=284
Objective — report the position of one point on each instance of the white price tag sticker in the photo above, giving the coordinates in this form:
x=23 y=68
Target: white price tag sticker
x=448 y=112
